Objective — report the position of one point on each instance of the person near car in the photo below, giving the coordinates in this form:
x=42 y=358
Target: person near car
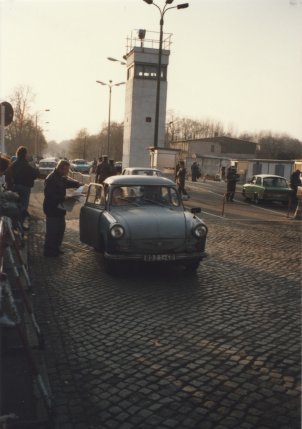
x=232 y=179
x=55 y=187
x=102 y=170
x=294 y=182
x=181 y=179
x=22 y=178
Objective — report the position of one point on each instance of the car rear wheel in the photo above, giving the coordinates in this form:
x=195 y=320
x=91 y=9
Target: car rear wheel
x=192 y=266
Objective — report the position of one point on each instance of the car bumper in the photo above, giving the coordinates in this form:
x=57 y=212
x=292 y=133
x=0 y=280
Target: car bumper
x=196 y=256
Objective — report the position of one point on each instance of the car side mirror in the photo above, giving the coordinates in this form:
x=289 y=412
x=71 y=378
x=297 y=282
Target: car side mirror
x=195 y=210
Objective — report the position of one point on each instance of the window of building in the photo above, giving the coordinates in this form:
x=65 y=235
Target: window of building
x=149 y=71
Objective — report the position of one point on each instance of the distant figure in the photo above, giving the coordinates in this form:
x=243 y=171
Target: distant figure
x=195 y=171
x=102 y=170
x=93 y=166
x=294 y=182
x=232 y=179
x=22 y=176
x=181 y=179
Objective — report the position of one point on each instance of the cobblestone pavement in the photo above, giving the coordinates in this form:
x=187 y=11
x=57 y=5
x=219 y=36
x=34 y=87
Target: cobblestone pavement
x=153 y=348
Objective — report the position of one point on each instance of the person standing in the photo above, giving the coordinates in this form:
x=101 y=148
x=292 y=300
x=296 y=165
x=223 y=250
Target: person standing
x=55 y=187
x=102 y=170
x=195 y=171
x=232 y=178
x=181 y=179
x=22 y=176
x=294 y=182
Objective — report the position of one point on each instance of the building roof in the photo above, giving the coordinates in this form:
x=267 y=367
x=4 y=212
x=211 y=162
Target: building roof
x=231 y=145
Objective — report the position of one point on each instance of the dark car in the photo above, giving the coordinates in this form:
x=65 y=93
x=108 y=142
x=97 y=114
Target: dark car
x=267 y=187
x=142 y=218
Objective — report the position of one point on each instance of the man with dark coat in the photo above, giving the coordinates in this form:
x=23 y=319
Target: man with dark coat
x=232 y=179
x=102 y=170
x=22 y=176
x=294 y=182
x=55 y=187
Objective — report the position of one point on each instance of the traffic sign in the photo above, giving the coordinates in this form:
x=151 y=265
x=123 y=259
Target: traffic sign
x=8 y=113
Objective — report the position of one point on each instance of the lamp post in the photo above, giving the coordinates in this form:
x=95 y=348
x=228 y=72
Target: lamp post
x=36 y=132
x=110 y=85
x=161 y=23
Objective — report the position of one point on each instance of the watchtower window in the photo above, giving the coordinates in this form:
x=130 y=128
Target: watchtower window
x=149 y=71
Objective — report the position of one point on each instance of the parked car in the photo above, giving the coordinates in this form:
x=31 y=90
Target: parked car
x=267 y=187
x=136 y=218
x=145 y=171
x=46 y=166
x=80 y=166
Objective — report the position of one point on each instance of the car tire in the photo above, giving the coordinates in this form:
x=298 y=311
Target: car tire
x=192 y=266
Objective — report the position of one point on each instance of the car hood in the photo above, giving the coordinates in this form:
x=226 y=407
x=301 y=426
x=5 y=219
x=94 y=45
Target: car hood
x=152 y=222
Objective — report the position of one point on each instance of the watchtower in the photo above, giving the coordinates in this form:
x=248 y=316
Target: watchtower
x=142 y=67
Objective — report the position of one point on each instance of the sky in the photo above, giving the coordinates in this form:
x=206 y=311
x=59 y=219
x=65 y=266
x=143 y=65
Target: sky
x=238 y=62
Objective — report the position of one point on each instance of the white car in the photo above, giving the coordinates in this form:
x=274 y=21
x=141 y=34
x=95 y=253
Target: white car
x=142 y=171
x=46 y=166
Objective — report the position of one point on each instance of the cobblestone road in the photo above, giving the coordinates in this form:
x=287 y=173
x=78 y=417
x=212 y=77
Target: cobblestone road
x=163 y=349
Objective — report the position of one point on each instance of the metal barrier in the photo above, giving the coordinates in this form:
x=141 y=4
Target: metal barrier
x=11 y=259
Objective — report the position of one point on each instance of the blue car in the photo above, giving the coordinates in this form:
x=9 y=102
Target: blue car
x=142 y=219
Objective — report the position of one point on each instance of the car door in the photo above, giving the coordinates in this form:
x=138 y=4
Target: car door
x=91 y=214
x=250 y=188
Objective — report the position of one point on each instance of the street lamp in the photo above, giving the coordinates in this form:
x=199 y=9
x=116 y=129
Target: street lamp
x=114 y=59
x=36 y=131
x=161 y=22
x=110 y=85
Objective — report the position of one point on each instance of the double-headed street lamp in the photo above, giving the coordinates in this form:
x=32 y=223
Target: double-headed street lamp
x=161 y=22
x=110 y=85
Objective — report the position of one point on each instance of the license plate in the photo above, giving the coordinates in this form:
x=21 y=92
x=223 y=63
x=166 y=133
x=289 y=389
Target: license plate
x=156 y=258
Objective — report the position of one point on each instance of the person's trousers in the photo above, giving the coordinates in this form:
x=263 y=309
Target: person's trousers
x=24 y=194
x=55 y=228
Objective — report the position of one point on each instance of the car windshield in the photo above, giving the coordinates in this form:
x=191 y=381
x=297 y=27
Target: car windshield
x=50 y=164
x=144 y=195
x=275 y=182
x=80 y=161
x=146 y=172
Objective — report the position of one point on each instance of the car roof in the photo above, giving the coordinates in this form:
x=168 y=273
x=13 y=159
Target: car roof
x=141 y=168
x=268 y=175
x=138 y=180
x=48 y=160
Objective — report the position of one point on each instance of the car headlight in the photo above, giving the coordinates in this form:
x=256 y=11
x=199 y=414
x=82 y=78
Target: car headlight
x=200 y=231
x=117 y=231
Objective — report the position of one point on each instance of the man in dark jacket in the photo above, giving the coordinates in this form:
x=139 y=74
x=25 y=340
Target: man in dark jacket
x=102 y=170
x=22 y=175
x=232 y=179
x=55 y=187
x=294 y=182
